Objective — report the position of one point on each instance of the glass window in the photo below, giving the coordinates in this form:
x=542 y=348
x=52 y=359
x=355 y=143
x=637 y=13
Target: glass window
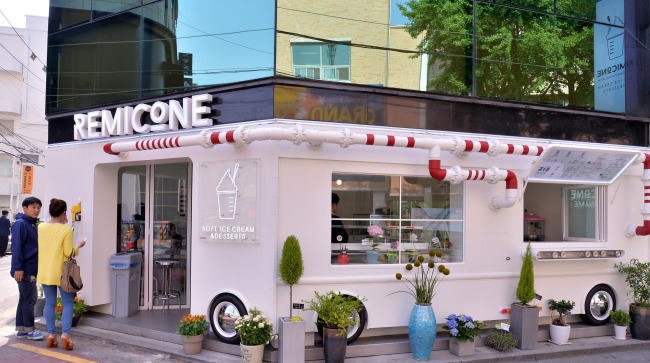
x=108 y=7
x=66 y=13
x=321 y=61
x=563 y=212
x=395 y=219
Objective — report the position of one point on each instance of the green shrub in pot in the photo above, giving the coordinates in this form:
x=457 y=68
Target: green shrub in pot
x=620 y=317
x=335 y=310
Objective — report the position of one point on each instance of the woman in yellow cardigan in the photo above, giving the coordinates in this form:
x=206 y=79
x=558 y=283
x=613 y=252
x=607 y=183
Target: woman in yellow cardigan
x=55 y=247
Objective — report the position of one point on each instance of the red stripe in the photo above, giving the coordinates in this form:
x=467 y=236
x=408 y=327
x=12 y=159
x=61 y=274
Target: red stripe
x=214 y=138
x=484 y=147
x=370 y=139
x=646 y=187
x=176 y=141
x=511 y=149
x=230 y=136
x=525 y=150
x=435 y=171
x=159 y=144
x=483 y=175
x=109 y=150
x=149 y=142
x=137 y=145
x=391 y=140
x=469 y=177
x=411 y=141
x=646 y=194
x=540 y=150
x=511 y=180
x=469 y=145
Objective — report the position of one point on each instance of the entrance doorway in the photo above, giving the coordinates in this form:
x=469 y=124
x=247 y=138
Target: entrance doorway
x=153 y=215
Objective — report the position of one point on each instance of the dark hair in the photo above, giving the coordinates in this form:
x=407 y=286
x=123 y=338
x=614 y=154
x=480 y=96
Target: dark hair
x=335 y=198
x=32 y=200
x=57 y=207
x=5 y=212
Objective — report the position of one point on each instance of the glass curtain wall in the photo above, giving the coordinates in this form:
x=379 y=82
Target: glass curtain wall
x=559 y=52
x=103 y=51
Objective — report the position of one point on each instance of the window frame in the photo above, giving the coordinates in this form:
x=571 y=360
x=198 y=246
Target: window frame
x=600 y=215
x=321 y=68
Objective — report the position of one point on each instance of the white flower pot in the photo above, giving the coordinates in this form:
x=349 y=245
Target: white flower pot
x=252 y=353
x=560 y=334
x=620 y=331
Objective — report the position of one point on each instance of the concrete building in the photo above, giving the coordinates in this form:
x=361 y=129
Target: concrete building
x=23 y=129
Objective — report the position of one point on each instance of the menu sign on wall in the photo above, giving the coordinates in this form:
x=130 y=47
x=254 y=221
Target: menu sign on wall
x=230 y=201
x=572 y=165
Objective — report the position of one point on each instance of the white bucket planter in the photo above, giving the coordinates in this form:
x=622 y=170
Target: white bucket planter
x=620 y=331
x=560 y=334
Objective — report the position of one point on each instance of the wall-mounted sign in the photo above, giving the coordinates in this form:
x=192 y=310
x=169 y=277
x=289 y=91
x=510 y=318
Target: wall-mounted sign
x=172 y=115
x=28 y=179
x=578 y=166
x=609 y=57
x=230 y=201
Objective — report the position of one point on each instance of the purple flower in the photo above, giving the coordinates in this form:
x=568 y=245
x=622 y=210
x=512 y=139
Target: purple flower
x=452 y=317
x=469 y=318
x=470 y=325
x=452 y=324
x=454 y=332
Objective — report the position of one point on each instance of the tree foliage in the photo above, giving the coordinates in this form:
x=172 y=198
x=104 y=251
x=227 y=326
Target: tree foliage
x=508 y=53
x=526 y=288
x=291 y=267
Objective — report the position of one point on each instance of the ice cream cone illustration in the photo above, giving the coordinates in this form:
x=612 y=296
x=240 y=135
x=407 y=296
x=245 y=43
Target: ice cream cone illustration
x=227 y=194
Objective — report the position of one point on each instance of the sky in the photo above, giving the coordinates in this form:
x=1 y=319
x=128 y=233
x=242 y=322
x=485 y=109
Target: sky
x=15 y=11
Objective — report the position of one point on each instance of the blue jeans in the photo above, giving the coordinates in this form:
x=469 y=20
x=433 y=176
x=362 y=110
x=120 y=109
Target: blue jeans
x=67 y=300
x=27 y=295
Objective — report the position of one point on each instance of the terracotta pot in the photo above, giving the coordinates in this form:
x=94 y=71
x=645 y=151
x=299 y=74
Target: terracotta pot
x=192 y=344
x=252 y=353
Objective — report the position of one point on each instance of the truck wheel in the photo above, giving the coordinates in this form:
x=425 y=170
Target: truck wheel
x=224 y=311
x=599 y=302
x=354 y=331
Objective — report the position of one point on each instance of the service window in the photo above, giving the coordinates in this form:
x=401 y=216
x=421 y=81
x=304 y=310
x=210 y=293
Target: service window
x=565 y=212
x=395 y=219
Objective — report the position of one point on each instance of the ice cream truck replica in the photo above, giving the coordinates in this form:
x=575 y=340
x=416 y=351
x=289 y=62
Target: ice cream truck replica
x=479 y=199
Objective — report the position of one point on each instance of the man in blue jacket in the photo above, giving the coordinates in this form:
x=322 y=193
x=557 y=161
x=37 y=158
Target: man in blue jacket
x=24 y=266
x=5 y=226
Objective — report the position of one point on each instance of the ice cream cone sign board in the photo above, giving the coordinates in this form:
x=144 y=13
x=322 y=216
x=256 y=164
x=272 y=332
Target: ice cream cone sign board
x=28 y=179
x=230 y=191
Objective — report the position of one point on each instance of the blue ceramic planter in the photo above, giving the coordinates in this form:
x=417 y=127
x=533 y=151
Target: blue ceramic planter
x=422 y=331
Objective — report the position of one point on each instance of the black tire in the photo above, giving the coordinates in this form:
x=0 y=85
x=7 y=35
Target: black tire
x=355 y=330
x=598 y=303
x=224 y=311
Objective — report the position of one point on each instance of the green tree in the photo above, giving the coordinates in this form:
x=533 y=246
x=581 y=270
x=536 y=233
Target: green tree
x=526 y=287
x=291 y=267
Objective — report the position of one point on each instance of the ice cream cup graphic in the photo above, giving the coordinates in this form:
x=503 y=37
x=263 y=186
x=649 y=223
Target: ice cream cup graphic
x=227 y=194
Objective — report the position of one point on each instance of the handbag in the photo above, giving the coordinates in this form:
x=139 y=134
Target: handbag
x=71 y=275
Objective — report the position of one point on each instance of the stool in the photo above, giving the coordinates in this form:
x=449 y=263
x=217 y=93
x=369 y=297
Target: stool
x=167 y=294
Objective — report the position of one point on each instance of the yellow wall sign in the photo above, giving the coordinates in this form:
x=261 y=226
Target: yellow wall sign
x=28 y=179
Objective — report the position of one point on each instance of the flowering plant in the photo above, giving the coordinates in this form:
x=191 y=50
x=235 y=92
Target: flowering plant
x=463 y=327
x=423 y=285
x=192 y=325
x=254 y=329
x=78 y=308
x=375 y=230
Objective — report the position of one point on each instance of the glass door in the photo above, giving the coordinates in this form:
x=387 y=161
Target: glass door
x=153 y=218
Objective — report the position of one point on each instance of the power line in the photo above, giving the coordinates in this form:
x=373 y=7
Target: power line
x=33 y=55
x=21 y=63
x=20 y=80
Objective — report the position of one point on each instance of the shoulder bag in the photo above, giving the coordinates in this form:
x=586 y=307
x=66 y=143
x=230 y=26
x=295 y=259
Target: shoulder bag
x=71 y=275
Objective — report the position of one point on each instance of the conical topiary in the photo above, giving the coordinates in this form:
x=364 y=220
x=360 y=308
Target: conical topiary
x=291 y=266
x=526 y=287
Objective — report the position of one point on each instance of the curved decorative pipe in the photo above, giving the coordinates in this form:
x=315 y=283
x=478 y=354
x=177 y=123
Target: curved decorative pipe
x=644 y=230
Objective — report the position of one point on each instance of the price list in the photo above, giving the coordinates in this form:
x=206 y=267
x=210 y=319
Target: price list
x=581 y=166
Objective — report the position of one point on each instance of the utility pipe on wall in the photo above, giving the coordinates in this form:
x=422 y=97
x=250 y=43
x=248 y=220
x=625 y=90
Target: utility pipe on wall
x=297 y=134
x=631 y=230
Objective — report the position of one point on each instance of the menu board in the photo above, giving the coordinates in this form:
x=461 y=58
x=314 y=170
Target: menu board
x=574 y=165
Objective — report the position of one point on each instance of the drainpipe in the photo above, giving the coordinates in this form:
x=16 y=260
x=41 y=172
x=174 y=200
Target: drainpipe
x=644 y=230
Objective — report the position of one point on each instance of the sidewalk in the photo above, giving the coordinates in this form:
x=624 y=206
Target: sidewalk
x=544 y=350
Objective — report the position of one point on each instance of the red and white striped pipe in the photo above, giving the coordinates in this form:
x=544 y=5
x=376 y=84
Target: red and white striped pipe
x=297 y=134
x=631 y=230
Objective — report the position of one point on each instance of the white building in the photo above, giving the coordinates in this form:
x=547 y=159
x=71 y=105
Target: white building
x=23 y=129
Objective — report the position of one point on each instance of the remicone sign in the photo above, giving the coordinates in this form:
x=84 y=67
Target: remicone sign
x=129 y=120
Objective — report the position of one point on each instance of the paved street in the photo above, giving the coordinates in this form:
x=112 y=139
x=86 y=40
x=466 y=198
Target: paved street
x=85 y=349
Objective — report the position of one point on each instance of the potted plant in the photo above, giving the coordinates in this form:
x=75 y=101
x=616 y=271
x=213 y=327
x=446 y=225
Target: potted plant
x=621 y=320
x=292 y=331
x=255 y=331
x=501 y=340
x=560 y=330
x=422 y=321
x=524 y=317
x=343 y=257
x=79 y=307
x=462 y=329
x=637 y=277
x=192 y=329
x=372 y=255
x=336 y=311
